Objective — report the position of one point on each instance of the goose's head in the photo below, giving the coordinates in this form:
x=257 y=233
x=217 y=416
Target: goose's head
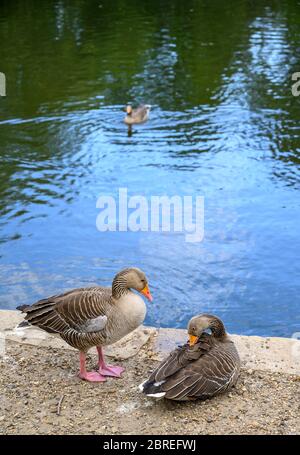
x=129 y=109
x=132 y=278
x=205 y=323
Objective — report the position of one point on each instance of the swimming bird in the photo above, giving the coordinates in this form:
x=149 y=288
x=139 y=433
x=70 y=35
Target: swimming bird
x=93 y=316
x=207 y=365
x=138 y=115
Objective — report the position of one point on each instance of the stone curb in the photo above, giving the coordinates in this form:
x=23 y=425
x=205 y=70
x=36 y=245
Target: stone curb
x=257 y=353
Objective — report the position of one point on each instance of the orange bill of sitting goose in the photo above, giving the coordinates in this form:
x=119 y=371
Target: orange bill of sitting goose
x=93 y=316
x=207 y=365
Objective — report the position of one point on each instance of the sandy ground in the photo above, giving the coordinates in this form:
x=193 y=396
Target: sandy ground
x=34 y=380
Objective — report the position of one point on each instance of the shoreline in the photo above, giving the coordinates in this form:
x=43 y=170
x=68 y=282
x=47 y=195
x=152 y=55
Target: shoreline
x=276 y=354
x=40 y=392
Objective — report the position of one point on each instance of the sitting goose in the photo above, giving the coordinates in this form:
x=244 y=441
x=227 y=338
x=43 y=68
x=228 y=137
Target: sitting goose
x=138 y=115
x=94 y=316
x=206 y=366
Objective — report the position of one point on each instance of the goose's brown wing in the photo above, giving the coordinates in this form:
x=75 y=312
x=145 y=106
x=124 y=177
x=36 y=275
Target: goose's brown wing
x=140 y=113
x=211 y=373
x=84 y=310
x=179 y=359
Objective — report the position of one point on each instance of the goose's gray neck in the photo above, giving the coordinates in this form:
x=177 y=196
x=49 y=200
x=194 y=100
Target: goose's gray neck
x=119 y=286
x=218 y=329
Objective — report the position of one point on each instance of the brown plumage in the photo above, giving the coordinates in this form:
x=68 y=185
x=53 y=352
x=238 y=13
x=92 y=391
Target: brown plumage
x=94 y=316
x=138 y=115
x=206 y=366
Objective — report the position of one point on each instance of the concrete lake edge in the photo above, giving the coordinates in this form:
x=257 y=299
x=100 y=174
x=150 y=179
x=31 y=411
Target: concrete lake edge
x=272 y=354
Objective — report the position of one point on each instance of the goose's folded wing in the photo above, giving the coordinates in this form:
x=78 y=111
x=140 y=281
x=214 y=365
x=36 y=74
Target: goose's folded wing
x=167 y=367
x=94 y=325
x=83 y=310
x=178 y=359
x=205 y=377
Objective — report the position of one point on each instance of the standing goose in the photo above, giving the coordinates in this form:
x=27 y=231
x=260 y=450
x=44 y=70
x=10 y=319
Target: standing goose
x=94 y=316
x=206 y=366
x=138 y=115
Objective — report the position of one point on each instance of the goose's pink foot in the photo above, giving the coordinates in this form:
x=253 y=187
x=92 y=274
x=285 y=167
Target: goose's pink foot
x=110 y=370
x=92 y=376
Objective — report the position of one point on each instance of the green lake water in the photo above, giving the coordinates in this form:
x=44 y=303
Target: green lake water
x=224 y=125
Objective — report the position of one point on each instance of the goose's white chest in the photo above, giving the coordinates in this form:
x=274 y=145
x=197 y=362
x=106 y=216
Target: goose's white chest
x=132 y=310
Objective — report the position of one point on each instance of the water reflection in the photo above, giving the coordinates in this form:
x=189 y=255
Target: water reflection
x=223 y=125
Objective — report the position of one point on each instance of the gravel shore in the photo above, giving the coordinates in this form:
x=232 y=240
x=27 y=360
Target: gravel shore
x=41 y=394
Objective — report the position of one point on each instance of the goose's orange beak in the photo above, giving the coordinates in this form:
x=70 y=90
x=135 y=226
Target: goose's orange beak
x=146 y=292
x=192 y=340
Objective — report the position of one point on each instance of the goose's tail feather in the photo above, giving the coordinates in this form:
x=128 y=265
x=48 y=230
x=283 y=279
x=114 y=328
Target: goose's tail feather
x=22 y=307
x=23 y=325
x=152 y=389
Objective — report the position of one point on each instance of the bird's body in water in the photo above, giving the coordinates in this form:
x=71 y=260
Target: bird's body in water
x=94 y=316
x=136 y=116
x=206 y=366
